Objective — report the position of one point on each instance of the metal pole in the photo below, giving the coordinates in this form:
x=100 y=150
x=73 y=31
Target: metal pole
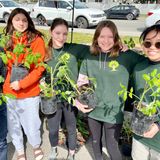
x=72 y=21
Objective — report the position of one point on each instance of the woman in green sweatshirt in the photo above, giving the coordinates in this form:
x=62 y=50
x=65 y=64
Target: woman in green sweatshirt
x=110 y=67
x=57 y=46
x=147 y=147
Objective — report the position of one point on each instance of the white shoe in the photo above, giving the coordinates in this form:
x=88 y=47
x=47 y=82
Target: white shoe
x=53 y=154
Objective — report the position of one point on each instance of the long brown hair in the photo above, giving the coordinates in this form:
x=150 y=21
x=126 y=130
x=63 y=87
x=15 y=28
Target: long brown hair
x=31 y=31
x=95 y=49
x=56 y=22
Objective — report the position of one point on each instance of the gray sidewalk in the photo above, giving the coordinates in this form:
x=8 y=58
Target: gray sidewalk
x=85 y=152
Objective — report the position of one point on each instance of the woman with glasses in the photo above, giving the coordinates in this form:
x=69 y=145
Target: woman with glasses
x=147 y=147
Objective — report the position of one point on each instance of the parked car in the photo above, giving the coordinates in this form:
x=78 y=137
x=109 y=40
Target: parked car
x=6 y=7
x=129 y=12
x=46 y=10
x=153 y=17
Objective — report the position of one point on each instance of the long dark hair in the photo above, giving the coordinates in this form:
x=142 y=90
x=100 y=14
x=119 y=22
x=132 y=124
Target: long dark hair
x=56 y=22
x=32 y=33
x=117 y=41
x=8 y=30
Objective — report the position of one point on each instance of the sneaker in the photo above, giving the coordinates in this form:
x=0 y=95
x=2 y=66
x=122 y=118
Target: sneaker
x=71 y=157
x=53 y=154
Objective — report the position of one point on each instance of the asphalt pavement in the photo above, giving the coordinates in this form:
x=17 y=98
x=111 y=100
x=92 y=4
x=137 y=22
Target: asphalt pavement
x=92 y=30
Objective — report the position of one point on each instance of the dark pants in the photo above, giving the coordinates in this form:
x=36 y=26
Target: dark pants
x=3 y=134
x=70 y=121
x=112 y=132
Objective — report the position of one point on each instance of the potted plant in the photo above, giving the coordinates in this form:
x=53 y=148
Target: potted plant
x=50 y=93
x=86 y=94
x=144 y=113
x=60 y=76
x=3 y=98
x=126 y=135
x=48 y=97
x=19 y=70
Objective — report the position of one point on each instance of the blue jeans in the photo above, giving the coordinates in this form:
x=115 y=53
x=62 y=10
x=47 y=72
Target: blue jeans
x=3 y=134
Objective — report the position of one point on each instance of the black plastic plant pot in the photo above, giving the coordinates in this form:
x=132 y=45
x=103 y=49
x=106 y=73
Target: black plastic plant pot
x=48 y=105
x=88 y=98
x=141 y=123
x=126 y=149
x=18 y=73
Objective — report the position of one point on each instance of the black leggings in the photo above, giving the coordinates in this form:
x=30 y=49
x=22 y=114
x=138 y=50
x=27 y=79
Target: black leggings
x=112 y=132
x=70 y=120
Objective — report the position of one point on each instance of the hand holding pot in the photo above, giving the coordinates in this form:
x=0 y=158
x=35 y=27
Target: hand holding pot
x=152 y=132
x=83 y=108
x=15 y=85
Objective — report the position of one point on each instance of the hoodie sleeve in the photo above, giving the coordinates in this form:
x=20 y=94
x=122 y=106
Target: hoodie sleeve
x=83 y=76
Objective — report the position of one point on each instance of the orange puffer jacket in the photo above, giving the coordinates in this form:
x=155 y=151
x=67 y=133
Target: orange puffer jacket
x=29 y=86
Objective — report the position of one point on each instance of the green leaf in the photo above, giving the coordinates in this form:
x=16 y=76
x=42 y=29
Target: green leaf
x=1 y=79
x=146 y=77
x=122 y=86
x=26 y=64
x=131 y=89
x=130 y=43
x=120 y=93
x=10 y=96
x=130 y=95
x=154 y=72
x=4 y=57
x=69 y=100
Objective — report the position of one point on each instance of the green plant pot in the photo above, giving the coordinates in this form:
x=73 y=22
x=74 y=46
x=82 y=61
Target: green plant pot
x=18 y=73
x=141 y=123
x=48 y=105
x=88 y=98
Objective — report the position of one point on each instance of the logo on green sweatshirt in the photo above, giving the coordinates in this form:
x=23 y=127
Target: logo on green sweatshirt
x=113 y=65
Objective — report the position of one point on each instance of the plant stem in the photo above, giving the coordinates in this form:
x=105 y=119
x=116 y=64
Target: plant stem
x=142 y=97
x=134 y=95
x=72 y=84
x=51 y=74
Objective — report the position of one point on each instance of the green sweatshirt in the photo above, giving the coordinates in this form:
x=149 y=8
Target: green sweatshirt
x=146 y=66
x=76 y=51
x=110 y=106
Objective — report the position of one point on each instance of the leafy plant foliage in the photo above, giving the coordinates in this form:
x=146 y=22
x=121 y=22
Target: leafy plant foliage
x=151 y=87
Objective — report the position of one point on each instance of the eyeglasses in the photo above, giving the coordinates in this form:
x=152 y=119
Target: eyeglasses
x=148 y=44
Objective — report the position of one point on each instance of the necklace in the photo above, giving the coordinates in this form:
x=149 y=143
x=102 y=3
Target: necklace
x=59 y=51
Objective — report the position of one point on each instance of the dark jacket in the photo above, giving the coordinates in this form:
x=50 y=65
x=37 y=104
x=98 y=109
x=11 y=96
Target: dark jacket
x=3 y=74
